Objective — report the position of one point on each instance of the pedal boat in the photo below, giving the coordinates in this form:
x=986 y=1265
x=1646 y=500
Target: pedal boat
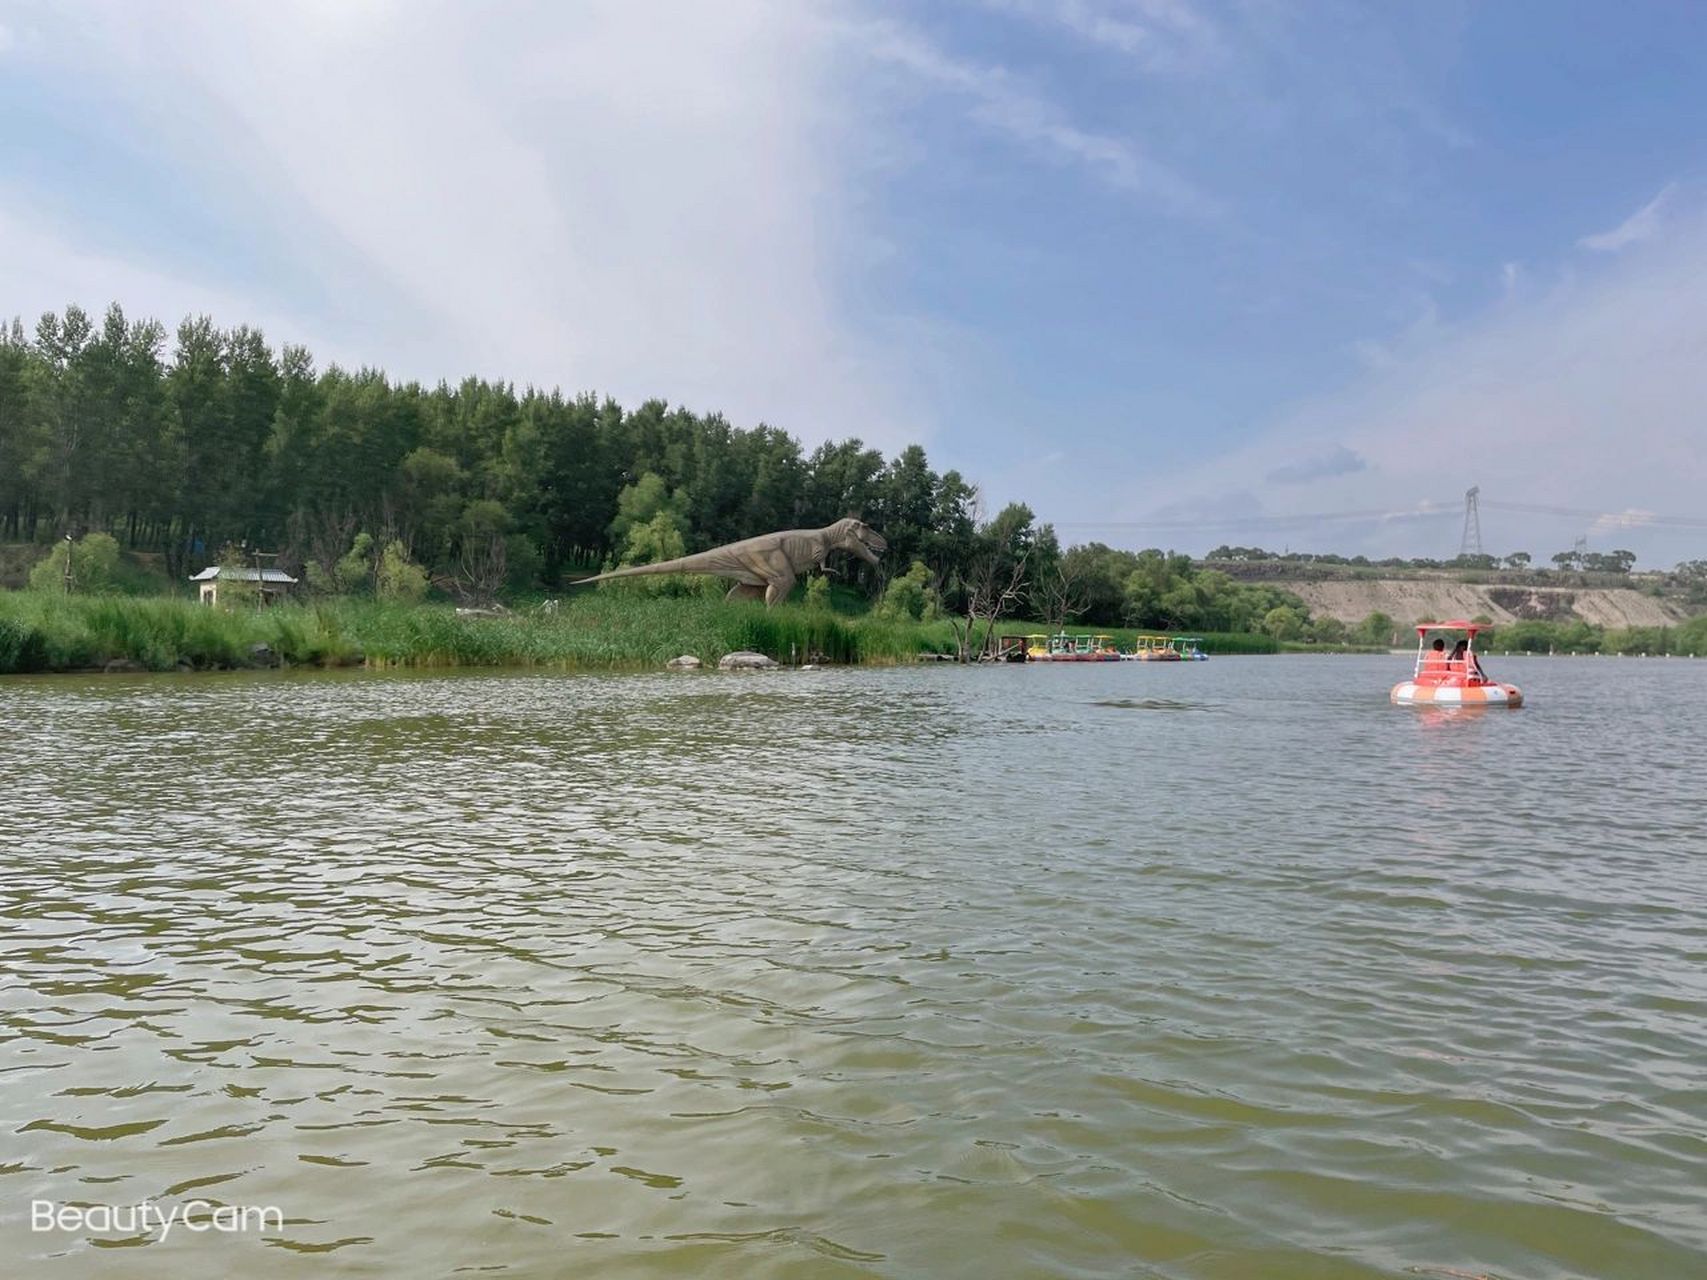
x=1442 y=681
x=1154 y=649
x=1062 y=647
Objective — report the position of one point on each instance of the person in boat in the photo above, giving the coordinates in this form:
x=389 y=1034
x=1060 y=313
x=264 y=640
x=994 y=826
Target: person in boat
x=1461 y=661
x=1434 y=660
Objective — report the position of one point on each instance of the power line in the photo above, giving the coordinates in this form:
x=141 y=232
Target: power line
x=1422 y=511
x=1624 y=519
x=1256 y=522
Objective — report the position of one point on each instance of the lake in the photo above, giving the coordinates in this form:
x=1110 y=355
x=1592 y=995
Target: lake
x=1223 y=970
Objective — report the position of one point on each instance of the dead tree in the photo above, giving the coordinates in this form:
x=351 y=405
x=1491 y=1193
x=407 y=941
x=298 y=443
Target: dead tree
x=993 y=583
x=1060 y=592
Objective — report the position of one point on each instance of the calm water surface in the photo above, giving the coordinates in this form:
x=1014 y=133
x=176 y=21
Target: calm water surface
x=1214 y=970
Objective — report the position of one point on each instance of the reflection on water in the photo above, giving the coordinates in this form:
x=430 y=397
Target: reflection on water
x=919 y=972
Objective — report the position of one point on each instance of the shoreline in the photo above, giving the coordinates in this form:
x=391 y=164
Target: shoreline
x=606 y=630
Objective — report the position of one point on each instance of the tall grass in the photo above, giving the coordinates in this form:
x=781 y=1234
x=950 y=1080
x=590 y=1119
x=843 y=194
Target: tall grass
x=592 y=631
x=51 y=632
x=48 y=632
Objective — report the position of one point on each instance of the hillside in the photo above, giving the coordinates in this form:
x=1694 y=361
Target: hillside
x=1415 y=596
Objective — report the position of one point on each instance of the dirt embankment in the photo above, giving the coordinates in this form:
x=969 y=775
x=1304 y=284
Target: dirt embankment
x=1414 y=599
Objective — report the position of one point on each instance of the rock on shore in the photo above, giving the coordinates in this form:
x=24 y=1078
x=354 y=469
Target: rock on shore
x=745 y=660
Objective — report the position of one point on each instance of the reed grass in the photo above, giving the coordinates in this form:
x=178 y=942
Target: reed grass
x=50 y=632
x=594 y=631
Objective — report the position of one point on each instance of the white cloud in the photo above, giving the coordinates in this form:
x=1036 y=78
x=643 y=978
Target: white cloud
x=1001 y=101
x=1629 y=518
x=1335 y=460
x=1586 y=397
x=43 y=271
x=1642 y=225
x=1161 y=35
x=641 y=200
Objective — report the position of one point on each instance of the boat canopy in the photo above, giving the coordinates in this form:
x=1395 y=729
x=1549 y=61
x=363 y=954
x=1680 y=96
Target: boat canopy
x=1456 y=624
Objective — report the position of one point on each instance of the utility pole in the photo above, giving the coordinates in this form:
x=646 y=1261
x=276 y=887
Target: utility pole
x=1471 y=543
x=69 y=575
x=260 y=575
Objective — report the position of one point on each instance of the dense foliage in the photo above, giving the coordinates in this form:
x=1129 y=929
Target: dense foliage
x=208 y=442
x=184 y=446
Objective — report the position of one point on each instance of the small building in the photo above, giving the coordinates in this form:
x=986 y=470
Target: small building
x=275 y=583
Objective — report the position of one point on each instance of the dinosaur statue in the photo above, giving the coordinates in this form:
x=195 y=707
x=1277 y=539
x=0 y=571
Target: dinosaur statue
x=768 y=564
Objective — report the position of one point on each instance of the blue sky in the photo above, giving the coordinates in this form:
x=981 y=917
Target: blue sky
x=1176 y=274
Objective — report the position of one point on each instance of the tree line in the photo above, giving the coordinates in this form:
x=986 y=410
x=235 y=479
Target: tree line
x=1576 y=560
x=207 y=444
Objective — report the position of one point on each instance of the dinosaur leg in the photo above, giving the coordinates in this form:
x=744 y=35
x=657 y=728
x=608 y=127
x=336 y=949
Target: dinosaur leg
x=746 y=591
x=778 y=588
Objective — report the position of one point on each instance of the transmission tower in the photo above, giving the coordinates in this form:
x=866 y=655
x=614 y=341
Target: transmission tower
x=1471 y=544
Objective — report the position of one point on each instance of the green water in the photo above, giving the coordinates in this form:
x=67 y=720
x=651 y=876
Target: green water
x=1203 y=970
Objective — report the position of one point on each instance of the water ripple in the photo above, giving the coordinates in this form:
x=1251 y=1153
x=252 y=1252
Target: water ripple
x=930 y=972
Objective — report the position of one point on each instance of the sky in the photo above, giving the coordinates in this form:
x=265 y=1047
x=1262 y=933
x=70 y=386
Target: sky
x=1288 y=273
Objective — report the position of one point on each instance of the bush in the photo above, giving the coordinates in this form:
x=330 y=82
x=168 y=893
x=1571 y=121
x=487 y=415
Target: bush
x=400 y=578
x=94 y=565
x=909 y=597
x=1283 y=622
x=1376 y=630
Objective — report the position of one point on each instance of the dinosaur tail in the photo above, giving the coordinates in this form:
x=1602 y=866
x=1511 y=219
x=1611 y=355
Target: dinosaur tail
x=678 y=565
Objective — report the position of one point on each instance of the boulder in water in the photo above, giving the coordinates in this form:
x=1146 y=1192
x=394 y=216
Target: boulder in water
x=745 y=660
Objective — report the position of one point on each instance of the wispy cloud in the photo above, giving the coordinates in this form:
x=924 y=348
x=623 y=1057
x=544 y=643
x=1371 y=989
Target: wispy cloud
x=1337 y=460
x=1003 y=102
x=563 y=198
x=1642 y=225
x=1165 y=36
x=1629 y=518
x=1584 y=397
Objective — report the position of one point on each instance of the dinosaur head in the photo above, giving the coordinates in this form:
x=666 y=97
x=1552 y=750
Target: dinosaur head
x=860 y=538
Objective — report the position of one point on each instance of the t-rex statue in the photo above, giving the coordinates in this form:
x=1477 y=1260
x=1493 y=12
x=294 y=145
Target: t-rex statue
x=768 y=564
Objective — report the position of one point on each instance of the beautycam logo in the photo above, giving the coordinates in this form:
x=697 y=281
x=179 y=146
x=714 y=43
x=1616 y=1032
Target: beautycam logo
x=151 y=1219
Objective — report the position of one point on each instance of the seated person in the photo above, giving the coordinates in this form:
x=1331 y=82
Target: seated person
x=1434 y=660
x=1456 y=662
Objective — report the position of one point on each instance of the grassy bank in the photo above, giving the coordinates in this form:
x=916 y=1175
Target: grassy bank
x=600 y=630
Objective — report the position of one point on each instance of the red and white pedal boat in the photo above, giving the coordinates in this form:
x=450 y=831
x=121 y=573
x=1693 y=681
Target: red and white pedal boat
x=1452 y=678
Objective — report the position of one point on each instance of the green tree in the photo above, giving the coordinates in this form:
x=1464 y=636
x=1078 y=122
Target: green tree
x=399 y=577
x=354 y=572
x=1283 y=622
x=1327 y=631
x=909 y=597
x=657 y=539
x=1376 y=630
x=94 y=560
x=237 y=588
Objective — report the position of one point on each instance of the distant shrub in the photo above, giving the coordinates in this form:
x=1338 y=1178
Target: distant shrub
x=94 y=565
x=399 y=577
x=909 y=597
